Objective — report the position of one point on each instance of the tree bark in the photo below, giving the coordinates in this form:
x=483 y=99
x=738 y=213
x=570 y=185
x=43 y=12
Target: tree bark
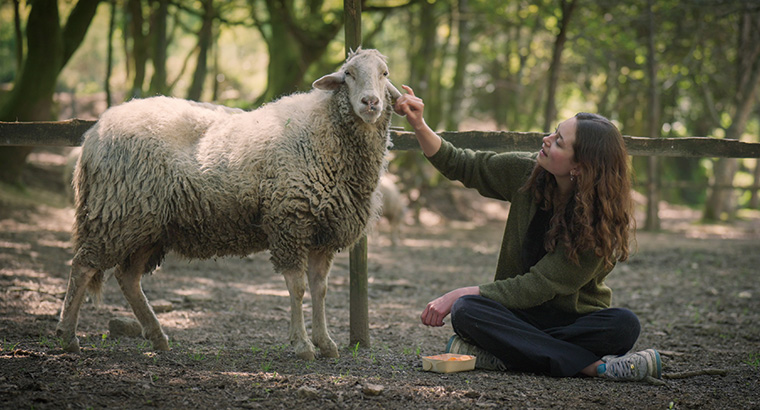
x=158 y=83
x=721 y=201
x=49 y=47
x=19 y=36
x=293 y=45
x=139 y=50
x=652 y=222
x=109 y=53
x=457 y=89
x=204 y=43
x=550 y=113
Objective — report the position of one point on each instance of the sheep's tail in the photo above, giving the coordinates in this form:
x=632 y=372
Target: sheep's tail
x=95 y=287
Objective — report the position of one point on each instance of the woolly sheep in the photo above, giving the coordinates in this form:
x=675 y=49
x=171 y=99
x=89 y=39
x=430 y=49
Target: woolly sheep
x=393 y=207
x=297 y=176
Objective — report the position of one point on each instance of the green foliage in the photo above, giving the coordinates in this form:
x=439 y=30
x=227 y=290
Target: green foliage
x=258 y=54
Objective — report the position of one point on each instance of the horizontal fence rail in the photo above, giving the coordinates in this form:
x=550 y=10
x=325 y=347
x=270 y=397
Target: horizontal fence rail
x=70 y=132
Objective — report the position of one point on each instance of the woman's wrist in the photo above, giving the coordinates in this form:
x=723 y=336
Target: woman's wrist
x=429 y=141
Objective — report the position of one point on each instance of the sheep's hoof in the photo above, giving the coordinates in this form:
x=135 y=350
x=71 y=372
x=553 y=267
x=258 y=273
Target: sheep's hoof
x=331 y=352
x=68 y=344
x=307 y=355
x=72 y=346
x=161 y=345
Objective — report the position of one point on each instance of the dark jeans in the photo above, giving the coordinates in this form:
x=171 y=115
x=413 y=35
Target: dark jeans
x=543 y=339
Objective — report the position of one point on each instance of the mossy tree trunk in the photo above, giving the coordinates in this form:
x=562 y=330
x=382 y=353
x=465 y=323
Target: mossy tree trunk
x=721 y=202
x=295 y=39
x=205 y=36
x=550 y=112
x=50 y=47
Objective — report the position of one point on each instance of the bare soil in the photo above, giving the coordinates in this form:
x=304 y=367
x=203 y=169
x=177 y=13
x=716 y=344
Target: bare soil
x=695 y=288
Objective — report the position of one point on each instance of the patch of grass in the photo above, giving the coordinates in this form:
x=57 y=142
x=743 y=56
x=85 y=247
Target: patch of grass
x=753 y=360
x=49 y=343
x=102 y=342
x=266 y=367
x=197 y=356
x=8 y=346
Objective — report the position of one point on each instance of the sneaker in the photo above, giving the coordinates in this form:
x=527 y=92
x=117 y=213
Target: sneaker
x=483 y=359
x=632 y=366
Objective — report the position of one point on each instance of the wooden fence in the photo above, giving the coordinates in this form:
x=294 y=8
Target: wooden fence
x=69 y=133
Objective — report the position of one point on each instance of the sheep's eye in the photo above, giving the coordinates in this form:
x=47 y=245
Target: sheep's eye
x=348 y=73
x=385 y=74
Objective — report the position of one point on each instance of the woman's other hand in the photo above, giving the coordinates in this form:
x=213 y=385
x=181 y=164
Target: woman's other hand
x=438 y=309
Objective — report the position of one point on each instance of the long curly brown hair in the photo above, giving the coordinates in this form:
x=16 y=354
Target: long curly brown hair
x=598 y=214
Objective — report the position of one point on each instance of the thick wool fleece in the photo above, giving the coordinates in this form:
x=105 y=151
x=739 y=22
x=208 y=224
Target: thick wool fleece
x=554 y=280
x=163 y=174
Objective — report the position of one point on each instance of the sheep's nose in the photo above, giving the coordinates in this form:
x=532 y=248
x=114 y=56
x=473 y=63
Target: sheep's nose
x=370 y=101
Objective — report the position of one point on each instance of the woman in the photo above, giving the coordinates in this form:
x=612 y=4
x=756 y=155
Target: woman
x=548 y=309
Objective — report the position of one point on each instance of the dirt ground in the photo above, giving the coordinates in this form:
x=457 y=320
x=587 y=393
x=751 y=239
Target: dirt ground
x=695 y=288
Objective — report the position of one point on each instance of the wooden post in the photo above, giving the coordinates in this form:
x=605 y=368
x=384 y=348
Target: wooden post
x=359 y=300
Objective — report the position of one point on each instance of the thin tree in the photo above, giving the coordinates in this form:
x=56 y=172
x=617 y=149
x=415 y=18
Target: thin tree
x=462 y=58
x=721 y=200
x=653 y=176
x=49 y=48
x=550 y=112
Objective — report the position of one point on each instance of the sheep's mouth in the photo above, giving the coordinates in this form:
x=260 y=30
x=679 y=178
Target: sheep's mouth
x=370 y=114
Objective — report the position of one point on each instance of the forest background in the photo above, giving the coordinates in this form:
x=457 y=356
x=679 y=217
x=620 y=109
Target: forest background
x=657 y=68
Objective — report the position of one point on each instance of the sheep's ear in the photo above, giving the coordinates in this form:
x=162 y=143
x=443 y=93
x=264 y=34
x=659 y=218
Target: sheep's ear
x=395 y=93
x=330 y=82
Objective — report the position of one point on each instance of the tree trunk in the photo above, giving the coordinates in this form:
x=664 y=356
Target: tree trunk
x=422 y=59
x=550 y=113
x=293 y=46
x=754 y=203
x=457 y=89
x=49 y=48
x=158 y=83
x=109 y=53
x=139 y=50
x=721 y=201
x=204 y=42
x=653 y=175
x=19 y=36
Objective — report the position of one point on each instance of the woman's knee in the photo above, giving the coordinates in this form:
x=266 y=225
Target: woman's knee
x=627 y=325
x=461 y=308
x=467 y=310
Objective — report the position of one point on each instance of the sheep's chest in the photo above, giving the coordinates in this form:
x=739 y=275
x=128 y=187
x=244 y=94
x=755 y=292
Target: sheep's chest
x=341 y=218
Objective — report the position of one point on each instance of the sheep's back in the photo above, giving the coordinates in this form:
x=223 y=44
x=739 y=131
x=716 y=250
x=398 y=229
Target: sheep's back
x=137 y=164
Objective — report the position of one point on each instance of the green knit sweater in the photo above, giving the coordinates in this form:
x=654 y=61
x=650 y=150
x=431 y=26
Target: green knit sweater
x=554 y=280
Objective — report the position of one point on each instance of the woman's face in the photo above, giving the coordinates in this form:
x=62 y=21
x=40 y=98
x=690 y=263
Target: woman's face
x=557 y=155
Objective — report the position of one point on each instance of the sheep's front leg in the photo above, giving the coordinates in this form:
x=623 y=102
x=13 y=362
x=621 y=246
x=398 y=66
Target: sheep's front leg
x=296 y=282
x=129 y=282
x=79 y=277
x=319 y=268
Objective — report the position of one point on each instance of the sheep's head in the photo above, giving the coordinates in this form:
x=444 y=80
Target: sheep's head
x=365 y=72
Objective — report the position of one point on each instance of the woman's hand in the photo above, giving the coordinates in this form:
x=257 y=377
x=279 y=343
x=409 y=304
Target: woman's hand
x=413 y=108
x=439 y=308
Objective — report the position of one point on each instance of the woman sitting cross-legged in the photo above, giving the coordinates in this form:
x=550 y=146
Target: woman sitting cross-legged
x=548 y=309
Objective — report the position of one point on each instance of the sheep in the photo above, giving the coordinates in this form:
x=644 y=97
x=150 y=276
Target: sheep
x=297 y=177
x=68 y=172
x=393 y=208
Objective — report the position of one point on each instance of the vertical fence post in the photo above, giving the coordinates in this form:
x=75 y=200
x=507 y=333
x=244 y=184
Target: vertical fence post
x=359 y=304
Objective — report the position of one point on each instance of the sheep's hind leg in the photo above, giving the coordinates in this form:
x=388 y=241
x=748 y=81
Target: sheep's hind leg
x=296 y=282
x=129 y=275
x=79 y=277
x=319 y=268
